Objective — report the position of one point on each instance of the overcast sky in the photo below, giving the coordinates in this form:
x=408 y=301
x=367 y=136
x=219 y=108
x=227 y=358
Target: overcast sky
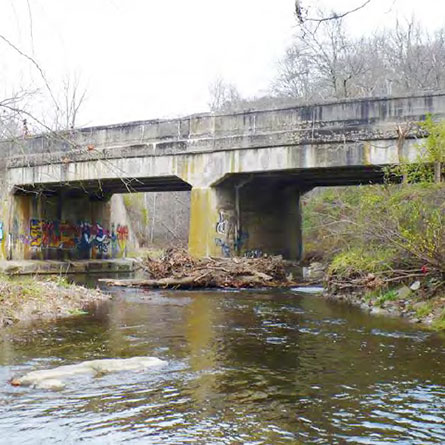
x=143 y=59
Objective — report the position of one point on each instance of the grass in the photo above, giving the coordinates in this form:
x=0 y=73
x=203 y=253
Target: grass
x=390 y=295
x=376 y=239
x=424 y=310
x=359 y=260
x=439 y=323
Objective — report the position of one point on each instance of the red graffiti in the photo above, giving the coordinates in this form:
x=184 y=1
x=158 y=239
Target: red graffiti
x=122 y=232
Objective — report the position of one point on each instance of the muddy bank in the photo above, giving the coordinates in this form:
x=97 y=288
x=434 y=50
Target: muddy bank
x=29 y=299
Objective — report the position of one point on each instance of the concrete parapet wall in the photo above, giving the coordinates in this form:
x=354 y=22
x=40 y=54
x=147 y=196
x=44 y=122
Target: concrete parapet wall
x=346 y=121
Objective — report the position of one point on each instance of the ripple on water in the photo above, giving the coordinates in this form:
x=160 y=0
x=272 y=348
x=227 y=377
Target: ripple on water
x=243 y=367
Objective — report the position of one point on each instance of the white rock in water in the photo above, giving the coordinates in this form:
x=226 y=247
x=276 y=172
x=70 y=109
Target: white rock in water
x=52 y=384
x=51 y=378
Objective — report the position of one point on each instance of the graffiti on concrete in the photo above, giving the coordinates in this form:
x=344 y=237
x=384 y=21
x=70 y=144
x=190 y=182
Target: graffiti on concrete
x=101 y=238
x=122 y=237
x=91 y=240
x=226 y=232
x=222 y=226
x=229 y=237
x=253 y=253
x=225 y=248
x=241 y=240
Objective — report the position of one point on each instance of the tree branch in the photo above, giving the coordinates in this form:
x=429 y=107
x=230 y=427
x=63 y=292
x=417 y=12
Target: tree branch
x=302 y=19
x=33 y=61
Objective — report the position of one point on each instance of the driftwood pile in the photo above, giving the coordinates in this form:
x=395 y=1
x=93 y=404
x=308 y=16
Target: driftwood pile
x=177 y=269
x=377 y=280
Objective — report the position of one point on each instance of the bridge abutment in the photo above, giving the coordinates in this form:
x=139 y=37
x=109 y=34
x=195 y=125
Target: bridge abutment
x=61 y=227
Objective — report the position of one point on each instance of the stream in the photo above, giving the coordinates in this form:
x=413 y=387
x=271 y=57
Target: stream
x=254 y=367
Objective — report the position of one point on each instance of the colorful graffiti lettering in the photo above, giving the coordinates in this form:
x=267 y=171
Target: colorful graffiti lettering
x=52 y=234
x=91 y=240
x=35 y=233
x=68 y=235
x=101 y=238
x=230 y=238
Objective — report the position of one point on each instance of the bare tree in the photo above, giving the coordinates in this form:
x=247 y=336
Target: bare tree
x=72 y=97
x=224 y=96
x=13 y=120
x=416 y=58
x=324 y=62
x=24 y=105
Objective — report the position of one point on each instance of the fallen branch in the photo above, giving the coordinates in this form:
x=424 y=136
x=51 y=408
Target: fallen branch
x=177 y=269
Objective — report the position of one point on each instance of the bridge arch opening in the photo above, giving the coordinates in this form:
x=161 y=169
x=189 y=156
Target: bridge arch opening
x=87 y=219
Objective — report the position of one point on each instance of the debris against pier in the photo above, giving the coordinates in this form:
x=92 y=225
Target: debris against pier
x=177 y=269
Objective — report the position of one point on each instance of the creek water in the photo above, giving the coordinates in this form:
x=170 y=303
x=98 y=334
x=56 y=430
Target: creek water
x=256 y=367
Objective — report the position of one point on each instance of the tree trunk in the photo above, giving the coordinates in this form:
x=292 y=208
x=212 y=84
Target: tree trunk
x=437 y=172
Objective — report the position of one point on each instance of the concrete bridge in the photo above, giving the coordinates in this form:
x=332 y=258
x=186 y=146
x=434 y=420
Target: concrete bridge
x=246 y=172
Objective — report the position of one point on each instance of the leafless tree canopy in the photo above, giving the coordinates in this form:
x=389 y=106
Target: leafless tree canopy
x=324 y=62
x=223 y=95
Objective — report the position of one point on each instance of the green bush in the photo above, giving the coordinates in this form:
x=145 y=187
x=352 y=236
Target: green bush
x=371 y=227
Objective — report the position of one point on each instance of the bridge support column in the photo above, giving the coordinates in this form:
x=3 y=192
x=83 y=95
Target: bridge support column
x=245 y=220
x=270 y=221
x=212 y=222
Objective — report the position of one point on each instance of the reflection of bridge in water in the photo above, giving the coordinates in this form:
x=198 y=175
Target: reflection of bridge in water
x=246 y=171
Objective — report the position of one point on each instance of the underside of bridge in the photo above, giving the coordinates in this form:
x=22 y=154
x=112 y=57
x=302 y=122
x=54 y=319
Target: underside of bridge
x=241 y=214
x=76 y=220
x=103 y=189
x=259 y=213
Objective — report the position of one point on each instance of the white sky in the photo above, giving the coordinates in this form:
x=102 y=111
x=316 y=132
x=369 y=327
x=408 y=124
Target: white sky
x=143 y=59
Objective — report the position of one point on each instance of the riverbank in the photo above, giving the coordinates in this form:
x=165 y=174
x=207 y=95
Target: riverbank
x=27 y=299
x=383 y=248
x=402 y=302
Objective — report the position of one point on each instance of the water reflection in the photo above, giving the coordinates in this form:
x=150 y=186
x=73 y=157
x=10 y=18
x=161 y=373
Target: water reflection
x=243 y=367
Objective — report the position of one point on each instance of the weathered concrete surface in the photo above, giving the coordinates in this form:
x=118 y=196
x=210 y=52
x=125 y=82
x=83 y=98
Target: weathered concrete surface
x=55 y=227
x=31 y=267
x=294 y=148
x=249 y=219
x=201 y=150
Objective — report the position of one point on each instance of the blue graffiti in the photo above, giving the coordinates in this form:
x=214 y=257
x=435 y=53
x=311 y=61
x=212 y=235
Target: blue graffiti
x=240 y=240
x=225 y=248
